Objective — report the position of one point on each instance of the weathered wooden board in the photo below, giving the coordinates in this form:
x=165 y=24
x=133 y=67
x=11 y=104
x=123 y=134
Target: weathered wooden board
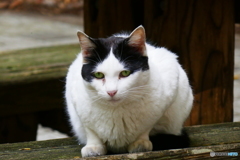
x=200 y=32
x=33 y=79
x=36 y=64
x=31 y=90
x=223 y=137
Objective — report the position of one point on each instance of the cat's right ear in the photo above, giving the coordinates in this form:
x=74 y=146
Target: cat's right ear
x=85 y=43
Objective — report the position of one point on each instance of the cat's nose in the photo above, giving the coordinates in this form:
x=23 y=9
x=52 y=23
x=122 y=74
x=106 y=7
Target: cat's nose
x=112 y=93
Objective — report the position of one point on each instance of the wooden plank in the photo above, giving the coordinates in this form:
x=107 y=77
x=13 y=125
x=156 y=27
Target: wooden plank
x=36 y=64
x=18 y=128
x=214 y=134
x=103 y=17
x=189 y=153
x=200 y=32
x=72 y=152
x=32 y=80
x=31 y=88
x=51 y=149
x=32 y=97
x=223 y=137
x=237 y=11
x=56 y=119
x=26 y=124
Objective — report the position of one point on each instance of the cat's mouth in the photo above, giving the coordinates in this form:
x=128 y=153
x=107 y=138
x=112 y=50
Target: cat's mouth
x=114 y=100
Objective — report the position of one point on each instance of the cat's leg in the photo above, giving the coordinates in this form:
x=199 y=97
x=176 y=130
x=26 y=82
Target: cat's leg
x=142 y=144
x=94 y=146
x=177 y=113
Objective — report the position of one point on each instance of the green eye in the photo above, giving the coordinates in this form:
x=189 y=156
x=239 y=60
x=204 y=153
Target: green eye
x=98 y=75
x=125 y=73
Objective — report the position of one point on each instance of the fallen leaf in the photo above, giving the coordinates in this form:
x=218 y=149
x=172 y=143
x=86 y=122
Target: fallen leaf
x=26 y=149
x=76 y=157
x=236 y=77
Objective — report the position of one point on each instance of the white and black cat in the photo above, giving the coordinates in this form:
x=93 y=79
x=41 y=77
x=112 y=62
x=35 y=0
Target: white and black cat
x=121 y=90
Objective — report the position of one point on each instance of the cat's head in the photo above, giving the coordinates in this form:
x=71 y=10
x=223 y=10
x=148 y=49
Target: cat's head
x=116 y=68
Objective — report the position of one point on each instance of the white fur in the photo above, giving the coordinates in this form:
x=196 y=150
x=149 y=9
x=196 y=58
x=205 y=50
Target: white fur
x=149 y=102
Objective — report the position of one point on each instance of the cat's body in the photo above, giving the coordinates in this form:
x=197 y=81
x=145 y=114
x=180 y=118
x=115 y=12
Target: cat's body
x=120 y=110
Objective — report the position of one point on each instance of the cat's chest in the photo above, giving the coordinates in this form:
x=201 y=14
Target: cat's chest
x=116 y=119
x=122 y=125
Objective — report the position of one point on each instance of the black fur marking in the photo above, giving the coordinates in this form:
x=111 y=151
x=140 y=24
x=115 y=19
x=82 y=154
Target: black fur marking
x=95 y=57
x=169 y=141
x=131 y=57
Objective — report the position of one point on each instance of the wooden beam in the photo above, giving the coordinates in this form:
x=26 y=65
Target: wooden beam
x=204 y=139
x=31 y=91
x=36 y=64
x=103 y=17
x=202 y=34
x=33 y=79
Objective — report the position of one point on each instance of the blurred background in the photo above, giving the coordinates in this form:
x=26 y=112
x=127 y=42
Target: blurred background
x=28 y=24
x=39 y=30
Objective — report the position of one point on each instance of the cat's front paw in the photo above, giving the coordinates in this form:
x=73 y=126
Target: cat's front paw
x=93 y=150
x=140 y=145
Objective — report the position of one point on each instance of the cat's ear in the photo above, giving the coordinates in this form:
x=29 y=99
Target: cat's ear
x=137 y=40
x=85 y=43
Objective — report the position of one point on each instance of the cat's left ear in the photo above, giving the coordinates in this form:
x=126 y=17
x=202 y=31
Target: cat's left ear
x=137 y=40
x=85 y=43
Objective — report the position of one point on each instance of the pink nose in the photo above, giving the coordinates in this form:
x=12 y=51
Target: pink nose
x=112 y=93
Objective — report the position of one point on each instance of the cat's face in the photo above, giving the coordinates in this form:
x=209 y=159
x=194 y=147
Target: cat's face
x=115 y=68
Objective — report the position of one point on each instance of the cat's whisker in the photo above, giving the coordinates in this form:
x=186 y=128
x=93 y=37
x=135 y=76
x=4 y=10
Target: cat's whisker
x=125 y=60
x=98 y=56
x=121 y=51
x=138 y=88
x=97 y=99
x=134 y=97
x=136 y=92
x=92 y=61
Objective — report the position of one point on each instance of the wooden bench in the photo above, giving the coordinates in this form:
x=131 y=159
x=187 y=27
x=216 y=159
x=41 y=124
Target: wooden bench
x=224 y=137
x=31 y=90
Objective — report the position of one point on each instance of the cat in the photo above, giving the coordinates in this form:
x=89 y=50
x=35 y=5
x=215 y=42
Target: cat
x=120 y=90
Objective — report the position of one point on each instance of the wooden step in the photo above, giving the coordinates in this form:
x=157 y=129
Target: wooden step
x=223 y=137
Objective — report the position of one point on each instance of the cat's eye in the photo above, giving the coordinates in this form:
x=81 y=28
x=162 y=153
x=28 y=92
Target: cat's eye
x=98 y=75
x=125 y=73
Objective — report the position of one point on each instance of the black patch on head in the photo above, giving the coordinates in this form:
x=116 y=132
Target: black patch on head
x=96 y=56
x=131 y=57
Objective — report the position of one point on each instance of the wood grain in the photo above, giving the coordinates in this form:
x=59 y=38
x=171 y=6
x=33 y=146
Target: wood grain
x=36 y=64
x=31 y=90
x=202 y=34
x=223 y=137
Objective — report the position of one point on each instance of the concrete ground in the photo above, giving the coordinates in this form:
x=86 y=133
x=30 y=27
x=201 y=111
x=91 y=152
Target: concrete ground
x=24 y=30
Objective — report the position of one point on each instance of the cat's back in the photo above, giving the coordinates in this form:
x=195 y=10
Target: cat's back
x=161 y=56
x=163 y=64
x=74 y=81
